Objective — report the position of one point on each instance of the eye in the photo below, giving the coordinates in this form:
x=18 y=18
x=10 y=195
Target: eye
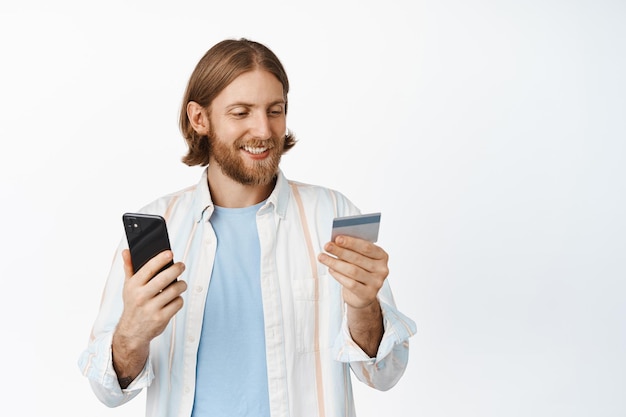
x=239 y=112
x=275 y=111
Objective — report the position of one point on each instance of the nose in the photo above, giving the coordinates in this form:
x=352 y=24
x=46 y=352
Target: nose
x=261 y=128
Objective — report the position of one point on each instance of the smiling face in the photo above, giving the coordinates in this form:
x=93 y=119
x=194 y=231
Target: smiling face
x=246 y=128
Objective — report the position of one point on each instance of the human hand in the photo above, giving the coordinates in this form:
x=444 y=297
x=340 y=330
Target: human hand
x=150 y=300
x=359 y=266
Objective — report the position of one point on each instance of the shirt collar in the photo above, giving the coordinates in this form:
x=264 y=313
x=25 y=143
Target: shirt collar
x=203 y=204
x=280 y=196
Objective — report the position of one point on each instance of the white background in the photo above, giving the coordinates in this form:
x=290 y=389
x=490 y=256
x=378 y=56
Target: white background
x=491 y=135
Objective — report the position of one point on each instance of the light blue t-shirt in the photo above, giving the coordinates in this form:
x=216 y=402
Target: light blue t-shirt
x=231 y=375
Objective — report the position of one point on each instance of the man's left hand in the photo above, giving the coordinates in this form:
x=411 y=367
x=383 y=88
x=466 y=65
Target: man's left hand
x=359 y=266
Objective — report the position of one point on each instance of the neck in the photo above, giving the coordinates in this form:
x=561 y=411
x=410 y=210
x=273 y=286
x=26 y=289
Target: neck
x=228 y=193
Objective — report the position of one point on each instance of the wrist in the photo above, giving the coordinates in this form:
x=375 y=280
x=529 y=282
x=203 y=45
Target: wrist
x=129 y=356
x=371 y=313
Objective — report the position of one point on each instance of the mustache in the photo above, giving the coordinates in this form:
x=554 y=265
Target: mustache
x=270 y=143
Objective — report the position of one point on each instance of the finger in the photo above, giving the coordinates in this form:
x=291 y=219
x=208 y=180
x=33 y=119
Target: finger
x=347 y=282
x=172 y=307
x=153 y=266
x=170 y=293
x=355 y=293
x=128 y=266
x=363 y=259
x=351 y=257
x=364 y=247
x=167 y=277
x=346 y=269
x=170 y=300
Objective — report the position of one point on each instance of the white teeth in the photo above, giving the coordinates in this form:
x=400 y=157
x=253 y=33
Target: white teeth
x=254 y=151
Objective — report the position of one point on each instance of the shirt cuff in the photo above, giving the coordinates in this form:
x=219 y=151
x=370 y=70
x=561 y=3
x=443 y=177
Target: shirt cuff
x=397 y=329
x=97 y=364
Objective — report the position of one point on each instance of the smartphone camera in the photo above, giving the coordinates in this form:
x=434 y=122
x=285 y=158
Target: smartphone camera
x=132 y=225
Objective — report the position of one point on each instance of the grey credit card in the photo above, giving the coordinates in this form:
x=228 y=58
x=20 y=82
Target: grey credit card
x=363 y=226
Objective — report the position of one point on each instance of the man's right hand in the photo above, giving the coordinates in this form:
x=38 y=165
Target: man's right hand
x=150 y=301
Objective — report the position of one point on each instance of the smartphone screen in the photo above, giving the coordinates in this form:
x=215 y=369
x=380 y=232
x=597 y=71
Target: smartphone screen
x=147 y=237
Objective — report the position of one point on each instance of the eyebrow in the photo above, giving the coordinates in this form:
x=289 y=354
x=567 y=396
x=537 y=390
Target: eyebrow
x=244 y=104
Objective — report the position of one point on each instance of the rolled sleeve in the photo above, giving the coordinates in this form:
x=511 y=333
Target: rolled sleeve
x=96 y=363
x=383 y=371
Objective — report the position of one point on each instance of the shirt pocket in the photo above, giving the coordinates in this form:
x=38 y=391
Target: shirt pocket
x=309 y=294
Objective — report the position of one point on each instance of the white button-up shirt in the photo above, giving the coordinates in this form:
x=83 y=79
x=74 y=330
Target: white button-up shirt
x=308 y=346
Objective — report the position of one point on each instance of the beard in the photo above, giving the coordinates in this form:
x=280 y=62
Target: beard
x=232 y=164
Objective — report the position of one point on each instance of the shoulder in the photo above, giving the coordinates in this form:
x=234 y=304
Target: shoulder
x=174 y=201
x=320 y=196
x=187 y=202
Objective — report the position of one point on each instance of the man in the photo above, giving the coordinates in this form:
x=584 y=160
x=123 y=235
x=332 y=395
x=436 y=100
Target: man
x=248 y=321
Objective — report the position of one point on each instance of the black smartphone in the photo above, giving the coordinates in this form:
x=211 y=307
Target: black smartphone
x=147 y=237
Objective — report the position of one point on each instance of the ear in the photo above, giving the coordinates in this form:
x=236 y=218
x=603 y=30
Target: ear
x=198 y=117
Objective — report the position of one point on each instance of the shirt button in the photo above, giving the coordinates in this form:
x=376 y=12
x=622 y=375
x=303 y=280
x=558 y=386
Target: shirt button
x=187 y=390
x=199 y=288
x=191 y=339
